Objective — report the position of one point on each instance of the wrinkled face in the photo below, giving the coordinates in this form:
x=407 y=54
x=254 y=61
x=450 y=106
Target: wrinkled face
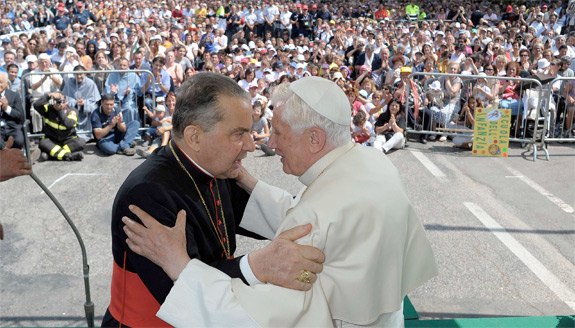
x=45 y=64
x=288 y=145
x=229 y=141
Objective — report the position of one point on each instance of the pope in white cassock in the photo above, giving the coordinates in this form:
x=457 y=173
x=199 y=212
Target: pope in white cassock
x=375 y=246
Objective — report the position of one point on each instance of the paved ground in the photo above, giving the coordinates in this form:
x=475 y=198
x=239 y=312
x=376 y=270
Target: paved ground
x=503 y=232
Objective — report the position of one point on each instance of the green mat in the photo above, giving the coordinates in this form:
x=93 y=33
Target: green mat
x=409 y=312
x=509 y=322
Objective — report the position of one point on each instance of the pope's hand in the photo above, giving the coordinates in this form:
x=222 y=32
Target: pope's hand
x=282 y=261
x=164 y=246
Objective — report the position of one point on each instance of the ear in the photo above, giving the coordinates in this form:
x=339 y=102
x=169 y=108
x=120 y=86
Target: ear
x=193 y=136
x=317 y=139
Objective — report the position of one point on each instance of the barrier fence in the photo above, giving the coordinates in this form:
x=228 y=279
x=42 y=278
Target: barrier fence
x=560 y=126
x=534 y=115
x=73 y=94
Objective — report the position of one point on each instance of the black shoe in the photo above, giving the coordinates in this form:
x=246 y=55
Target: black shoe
x=76 y=156
x=142 y=153
x=423 y=140
x=267 y=150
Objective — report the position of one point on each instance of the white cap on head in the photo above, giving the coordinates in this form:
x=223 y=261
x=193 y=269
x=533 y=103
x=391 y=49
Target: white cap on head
x=31 y=58
x=324 y=97
x=543 y=63
x=160 y=108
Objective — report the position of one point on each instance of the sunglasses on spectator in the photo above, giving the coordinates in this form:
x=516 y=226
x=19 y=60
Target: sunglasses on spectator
x=488 y=69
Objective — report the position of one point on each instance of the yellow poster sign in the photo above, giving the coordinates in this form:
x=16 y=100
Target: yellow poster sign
x=491 y=132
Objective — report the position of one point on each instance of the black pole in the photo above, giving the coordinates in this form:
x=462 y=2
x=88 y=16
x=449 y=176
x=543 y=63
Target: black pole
x=89 y=305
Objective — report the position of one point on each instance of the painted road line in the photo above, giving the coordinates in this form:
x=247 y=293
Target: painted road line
x=71 y=174
x=556 y=200
x=428 y=164
x=546 y=276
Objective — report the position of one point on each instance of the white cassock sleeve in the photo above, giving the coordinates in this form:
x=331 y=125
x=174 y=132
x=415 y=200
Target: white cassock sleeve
x=202 y=297
x=266 y=209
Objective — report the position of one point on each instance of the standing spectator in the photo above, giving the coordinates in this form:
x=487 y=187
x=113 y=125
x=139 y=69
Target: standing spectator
x=61 y=21
x=82 y=94
x=305 y=23
x=82 y=16
x=271 y=15
x=11 y=114
x=125 y=87
x=61 y=141
x=160 y=85
x=113 y=135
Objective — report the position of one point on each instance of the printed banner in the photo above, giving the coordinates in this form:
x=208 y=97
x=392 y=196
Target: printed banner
x=491 y=132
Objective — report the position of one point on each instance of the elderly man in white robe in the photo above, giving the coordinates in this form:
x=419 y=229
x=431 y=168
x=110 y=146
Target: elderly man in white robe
x=375 y=246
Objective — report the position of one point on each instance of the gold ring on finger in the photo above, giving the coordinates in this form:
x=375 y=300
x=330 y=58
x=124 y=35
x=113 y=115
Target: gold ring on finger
x=305 y=277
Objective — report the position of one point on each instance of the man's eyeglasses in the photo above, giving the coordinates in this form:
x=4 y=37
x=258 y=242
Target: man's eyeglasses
x=524 y=55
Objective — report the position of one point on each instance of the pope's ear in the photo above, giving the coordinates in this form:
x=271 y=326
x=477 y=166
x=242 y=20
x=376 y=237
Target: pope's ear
x=317 y=139
x=193 y=135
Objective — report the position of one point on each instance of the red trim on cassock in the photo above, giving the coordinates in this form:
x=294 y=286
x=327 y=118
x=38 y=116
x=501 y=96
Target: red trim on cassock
x=132 y=303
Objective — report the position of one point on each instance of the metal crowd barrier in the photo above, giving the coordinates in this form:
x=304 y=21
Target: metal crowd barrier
x=560 y=126
x=529 y=125
x=48 y=29
x=62 y=74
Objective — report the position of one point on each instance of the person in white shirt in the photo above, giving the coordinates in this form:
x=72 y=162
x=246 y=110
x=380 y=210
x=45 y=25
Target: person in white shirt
x=538 y=24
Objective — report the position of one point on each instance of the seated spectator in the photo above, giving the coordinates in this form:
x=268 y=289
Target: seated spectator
x=465 y=121
x=11 y=115
x=482 y=92
x=113 y=135
x=362 y=129
x=41 y=85
x=156 y=135
x=163 y=126
x=352 y=95
x=389 y=128
x=82 y=94
x=260 y=129
x=125 y=87
x=60 y=140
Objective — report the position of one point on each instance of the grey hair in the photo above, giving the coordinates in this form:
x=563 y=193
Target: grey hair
x=300 y=116
x=198 y=98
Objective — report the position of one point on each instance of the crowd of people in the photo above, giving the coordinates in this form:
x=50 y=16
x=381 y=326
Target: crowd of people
x=369 y=48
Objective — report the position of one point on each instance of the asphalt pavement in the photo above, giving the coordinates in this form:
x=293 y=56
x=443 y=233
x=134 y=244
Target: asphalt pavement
x=503 y=232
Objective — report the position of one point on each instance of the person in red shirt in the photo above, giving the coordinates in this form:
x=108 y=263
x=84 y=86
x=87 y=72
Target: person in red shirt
x=381 y=13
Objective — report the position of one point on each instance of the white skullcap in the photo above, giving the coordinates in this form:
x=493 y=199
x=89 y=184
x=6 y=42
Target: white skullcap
x=324 y=97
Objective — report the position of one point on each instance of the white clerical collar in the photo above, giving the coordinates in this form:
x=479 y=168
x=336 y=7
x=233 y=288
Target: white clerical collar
x=315 y=170
x=194 y=162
